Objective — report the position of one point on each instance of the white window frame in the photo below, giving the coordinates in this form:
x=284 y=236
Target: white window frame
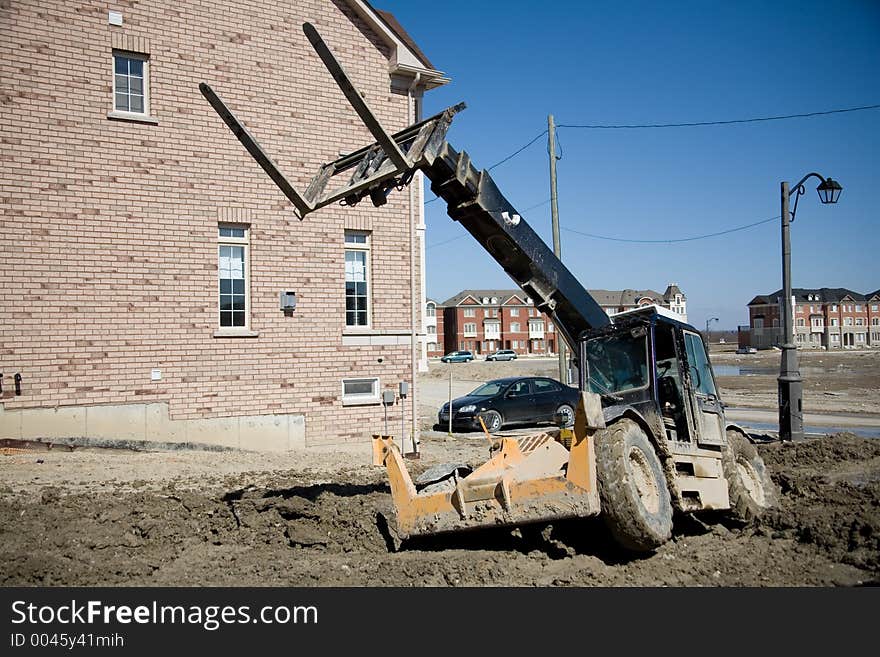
x=117 y=113
x=431 y=310
x=361 y=399
x=235 y=241
x=469 y=329
x=514 y=327
x=469 y=312
x=354 y=245
x=514 y=312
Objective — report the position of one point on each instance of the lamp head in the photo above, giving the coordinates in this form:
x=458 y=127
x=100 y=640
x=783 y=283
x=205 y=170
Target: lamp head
x=829 y=191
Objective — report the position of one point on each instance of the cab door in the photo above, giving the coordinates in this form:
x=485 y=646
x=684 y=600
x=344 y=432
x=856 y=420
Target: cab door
x=707 y=410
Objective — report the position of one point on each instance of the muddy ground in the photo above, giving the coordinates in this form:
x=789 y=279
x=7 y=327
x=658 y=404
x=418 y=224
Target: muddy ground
x=92 y=517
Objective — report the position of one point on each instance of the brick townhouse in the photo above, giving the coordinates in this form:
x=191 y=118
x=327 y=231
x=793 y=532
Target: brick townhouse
x=146 y=256
x=483 y=321
x=824 y=318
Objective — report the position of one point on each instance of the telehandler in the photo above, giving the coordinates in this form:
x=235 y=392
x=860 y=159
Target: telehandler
x=649 y=437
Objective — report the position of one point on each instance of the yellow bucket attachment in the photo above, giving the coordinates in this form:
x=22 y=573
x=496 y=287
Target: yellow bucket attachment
x=537 y=478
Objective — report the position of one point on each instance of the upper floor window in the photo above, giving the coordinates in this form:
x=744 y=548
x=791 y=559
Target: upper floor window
x=357 y=278
x=858 y=308
x=873 y=307
x=233 y=242
x=514 y=327
x=431 y=311
x=514 y=312
x=834 y=307
x=131 y=83
x=470 y=312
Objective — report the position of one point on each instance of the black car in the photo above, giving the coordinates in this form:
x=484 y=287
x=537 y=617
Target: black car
x=512 y=400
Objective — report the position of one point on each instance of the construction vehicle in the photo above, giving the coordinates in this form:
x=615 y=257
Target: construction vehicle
x=650 y=436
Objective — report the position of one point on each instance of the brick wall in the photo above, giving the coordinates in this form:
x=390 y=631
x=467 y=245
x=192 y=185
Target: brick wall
x=110 y=227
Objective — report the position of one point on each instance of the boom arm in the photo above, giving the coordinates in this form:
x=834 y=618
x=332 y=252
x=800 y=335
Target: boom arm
x=471 y=196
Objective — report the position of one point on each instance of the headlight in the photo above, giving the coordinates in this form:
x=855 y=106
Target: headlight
x=470 y=408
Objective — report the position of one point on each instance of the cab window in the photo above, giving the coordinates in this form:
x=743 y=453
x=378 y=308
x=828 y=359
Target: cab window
x=618 y=362
x=698 y=362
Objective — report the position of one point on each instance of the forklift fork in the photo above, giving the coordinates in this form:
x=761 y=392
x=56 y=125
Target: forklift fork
x=370 y=171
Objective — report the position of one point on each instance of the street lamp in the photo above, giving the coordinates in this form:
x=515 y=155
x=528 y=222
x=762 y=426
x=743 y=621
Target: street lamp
x=791 y=414
x=711 y=319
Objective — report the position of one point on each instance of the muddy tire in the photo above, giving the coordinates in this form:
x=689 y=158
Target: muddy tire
x=635 y=499
x=493 y=421
x=749 y=486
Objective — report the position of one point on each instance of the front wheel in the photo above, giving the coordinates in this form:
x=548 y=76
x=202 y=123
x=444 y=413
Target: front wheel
x=493 y=421
x=749 y=486
x=636 y=504
x=565 y=415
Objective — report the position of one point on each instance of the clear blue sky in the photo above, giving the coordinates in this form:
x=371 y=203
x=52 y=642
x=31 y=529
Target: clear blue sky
x=515 y=62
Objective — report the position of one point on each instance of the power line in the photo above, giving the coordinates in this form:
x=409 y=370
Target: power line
x=670 y=241
x=431 y=246
x=517 y=152
x=708 y=123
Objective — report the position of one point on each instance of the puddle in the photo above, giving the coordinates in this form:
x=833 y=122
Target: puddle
x=749 y=370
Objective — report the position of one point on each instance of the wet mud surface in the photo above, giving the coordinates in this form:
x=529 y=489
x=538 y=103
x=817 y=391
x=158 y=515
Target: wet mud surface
x=234 y=519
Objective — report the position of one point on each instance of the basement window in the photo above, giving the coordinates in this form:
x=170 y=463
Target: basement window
x=360 y=391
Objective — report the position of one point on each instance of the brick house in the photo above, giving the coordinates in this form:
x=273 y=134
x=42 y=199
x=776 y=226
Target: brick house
x=483 y=321
x=824 y=318
x=147 y=254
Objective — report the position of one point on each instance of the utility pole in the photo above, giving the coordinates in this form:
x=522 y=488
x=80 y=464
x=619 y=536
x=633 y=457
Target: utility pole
x=790 y=384
x=557 y=247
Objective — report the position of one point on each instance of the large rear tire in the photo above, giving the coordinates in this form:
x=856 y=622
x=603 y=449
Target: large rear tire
x=635 y=499
x=749 y=486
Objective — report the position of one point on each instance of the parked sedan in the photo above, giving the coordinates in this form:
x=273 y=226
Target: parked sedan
x=512 y=400
x=502 y=354
x=457 y=357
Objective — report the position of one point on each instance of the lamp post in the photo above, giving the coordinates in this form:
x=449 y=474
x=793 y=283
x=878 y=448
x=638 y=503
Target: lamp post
x=711 y=319
x=791 y=414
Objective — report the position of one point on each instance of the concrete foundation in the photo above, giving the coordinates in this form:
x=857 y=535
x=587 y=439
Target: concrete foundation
x=150 y=423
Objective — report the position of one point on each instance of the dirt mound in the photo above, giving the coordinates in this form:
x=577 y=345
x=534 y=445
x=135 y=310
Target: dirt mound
x=830 y=497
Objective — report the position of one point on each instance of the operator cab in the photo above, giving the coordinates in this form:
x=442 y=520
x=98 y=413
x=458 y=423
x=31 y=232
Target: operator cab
x=659 y=366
